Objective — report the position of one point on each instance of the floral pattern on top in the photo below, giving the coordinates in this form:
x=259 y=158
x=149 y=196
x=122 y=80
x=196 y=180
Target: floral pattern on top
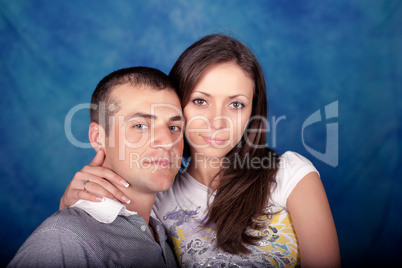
x=194 y=246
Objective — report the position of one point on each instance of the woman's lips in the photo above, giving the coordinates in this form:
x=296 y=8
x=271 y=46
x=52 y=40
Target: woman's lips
x=214 y=141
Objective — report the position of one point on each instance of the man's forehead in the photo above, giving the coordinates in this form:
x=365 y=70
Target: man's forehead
x=143 y=88
x=139 y=93
x=142 y=99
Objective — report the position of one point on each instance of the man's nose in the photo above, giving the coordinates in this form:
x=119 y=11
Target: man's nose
x=162 y=138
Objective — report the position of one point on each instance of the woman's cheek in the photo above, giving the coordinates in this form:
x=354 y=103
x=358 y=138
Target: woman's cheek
x=242 y=126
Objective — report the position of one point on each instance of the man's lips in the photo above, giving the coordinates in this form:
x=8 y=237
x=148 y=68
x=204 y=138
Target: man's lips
x=214 y=141
x=160 y=163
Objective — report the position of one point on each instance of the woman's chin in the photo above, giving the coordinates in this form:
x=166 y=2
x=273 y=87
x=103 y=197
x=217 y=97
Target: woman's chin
x=211 y=153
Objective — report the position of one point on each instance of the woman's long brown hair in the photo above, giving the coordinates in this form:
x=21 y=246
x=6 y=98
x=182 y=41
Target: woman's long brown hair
x=243 y=190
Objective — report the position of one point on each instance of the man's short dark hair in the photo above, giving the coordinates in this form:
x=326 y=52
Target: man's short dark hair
x=102 y=105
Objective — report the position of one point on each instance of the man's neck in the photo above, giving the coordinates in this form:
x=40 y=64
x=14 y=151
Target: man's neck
x=140 y=202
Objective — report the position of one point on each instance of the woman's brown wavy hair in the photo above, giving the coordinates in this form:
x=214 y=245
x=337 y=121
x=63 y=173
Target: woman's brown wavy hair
x=243 y=190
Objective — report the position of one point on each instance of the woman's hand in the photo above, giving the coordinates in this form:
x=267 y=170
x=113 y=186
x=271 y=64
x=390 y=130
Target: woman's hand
x=312 y=219
x=101 y=181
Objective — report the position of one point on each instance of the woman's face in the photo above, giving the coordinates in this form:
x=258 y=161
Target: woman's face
x=218 y=110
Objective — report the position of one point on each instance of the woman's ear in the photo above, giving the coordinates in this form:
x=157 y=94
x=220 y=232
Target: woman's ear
x=96 y=135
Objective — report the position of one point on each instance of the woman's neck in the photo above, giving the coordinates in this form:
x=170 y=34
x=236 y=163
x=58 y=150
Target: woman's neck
x=204 y=170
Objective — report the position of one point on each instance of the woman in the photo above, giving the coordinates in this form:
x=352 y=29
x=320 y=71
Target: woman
x=238 y=203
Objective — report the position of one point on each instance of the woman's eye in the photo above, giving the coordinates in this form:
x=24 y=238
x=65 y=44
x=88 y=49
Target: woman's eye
x=140 y=126
x=237 y=105
x=199 y=102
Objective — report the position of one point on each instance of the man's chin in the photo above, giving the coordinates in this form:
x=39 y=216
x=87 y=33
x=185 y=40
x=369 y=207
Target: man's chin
x=162 y=187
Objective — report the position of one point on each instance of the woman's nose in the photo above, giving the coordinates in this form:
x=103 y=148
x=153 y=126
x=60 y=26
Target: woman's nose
x=219 y=118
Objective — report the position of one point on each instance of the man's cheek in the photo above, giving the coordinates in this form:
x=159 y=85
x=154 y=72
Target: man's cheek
x=136 y=139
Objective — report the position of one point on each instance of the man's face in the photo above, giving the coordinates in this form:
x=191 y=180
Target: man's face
x=145 y=143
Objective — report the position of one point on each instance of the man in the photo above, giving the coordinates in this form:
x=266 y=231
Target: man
x=136 y=130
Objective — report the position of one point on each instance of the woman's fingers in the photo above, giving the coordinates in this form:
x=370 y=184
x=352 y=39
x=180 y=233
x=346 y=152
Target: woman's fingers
x=100 y=181
x=96 y=189
x=88 y=196
x=100 y=171
x=93 y=185
x=98 y=159
x=97 y=184
x=105 y=173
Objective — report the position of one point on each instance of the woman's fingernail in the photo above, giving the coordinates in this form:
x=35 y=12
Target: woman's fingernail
x=101 y=199
x=128 y=201
x=124 y=183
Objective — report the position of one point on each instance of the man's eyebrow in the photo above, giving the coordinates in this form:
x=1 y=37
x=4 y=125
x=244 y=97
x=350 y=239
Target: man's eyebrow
x=140 y=115
x=151 y=116
x=177 y=118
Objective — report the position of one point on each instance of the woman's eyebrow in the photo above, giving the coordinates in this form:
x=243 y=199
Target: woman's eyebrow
x=238 y=95
x=206 y=94
x=230 y=97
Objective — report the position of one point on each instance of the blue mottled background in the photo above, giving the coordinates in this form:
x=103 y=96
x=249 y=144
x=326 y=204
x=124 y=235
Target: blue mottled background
x=314 y=53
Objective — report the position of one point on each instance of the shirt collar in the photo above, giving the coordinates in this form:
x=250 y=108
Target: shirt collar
x=105 y=211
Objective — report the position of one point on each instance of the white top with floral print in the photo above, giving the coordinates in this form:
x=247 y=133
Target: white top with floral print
x=182 y=208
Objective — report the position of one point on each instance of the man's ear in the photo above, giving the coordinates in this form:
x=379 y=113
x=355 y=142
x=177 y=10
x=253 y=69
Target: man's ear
x=96 y=135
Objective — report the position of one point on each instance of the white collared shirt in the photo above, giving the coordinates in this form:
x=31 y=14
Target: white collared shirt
x=105 y=211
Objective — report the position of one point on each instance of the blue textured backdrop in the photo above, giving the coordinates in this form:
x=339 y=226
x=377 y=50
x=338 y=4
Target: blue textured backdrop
x=53 y=53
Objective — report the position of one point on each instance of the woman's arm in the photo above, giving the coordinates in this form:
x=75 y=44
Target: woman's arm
x=100 y=183
x=313 y=223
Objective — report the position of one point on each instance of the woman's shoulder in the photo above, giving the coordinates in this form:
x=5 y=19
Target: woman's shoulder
x=292 y=163
x=291 y=169
x=294 y=158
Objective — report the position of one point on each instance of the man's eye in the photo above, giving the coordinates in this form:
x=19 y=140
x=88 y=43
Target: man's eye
x=140 y=126
x=237 y=105
x=175 y=128
x=199 y=102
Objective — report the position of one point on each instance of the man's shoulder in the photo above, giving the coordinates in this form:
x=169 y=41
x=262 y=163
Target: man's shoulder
x=59 y=236
x=66 y=221
x=70 y=214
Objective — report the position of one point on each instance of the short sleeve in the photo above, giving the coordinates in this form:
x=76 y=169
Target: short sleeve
x=292 y=168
